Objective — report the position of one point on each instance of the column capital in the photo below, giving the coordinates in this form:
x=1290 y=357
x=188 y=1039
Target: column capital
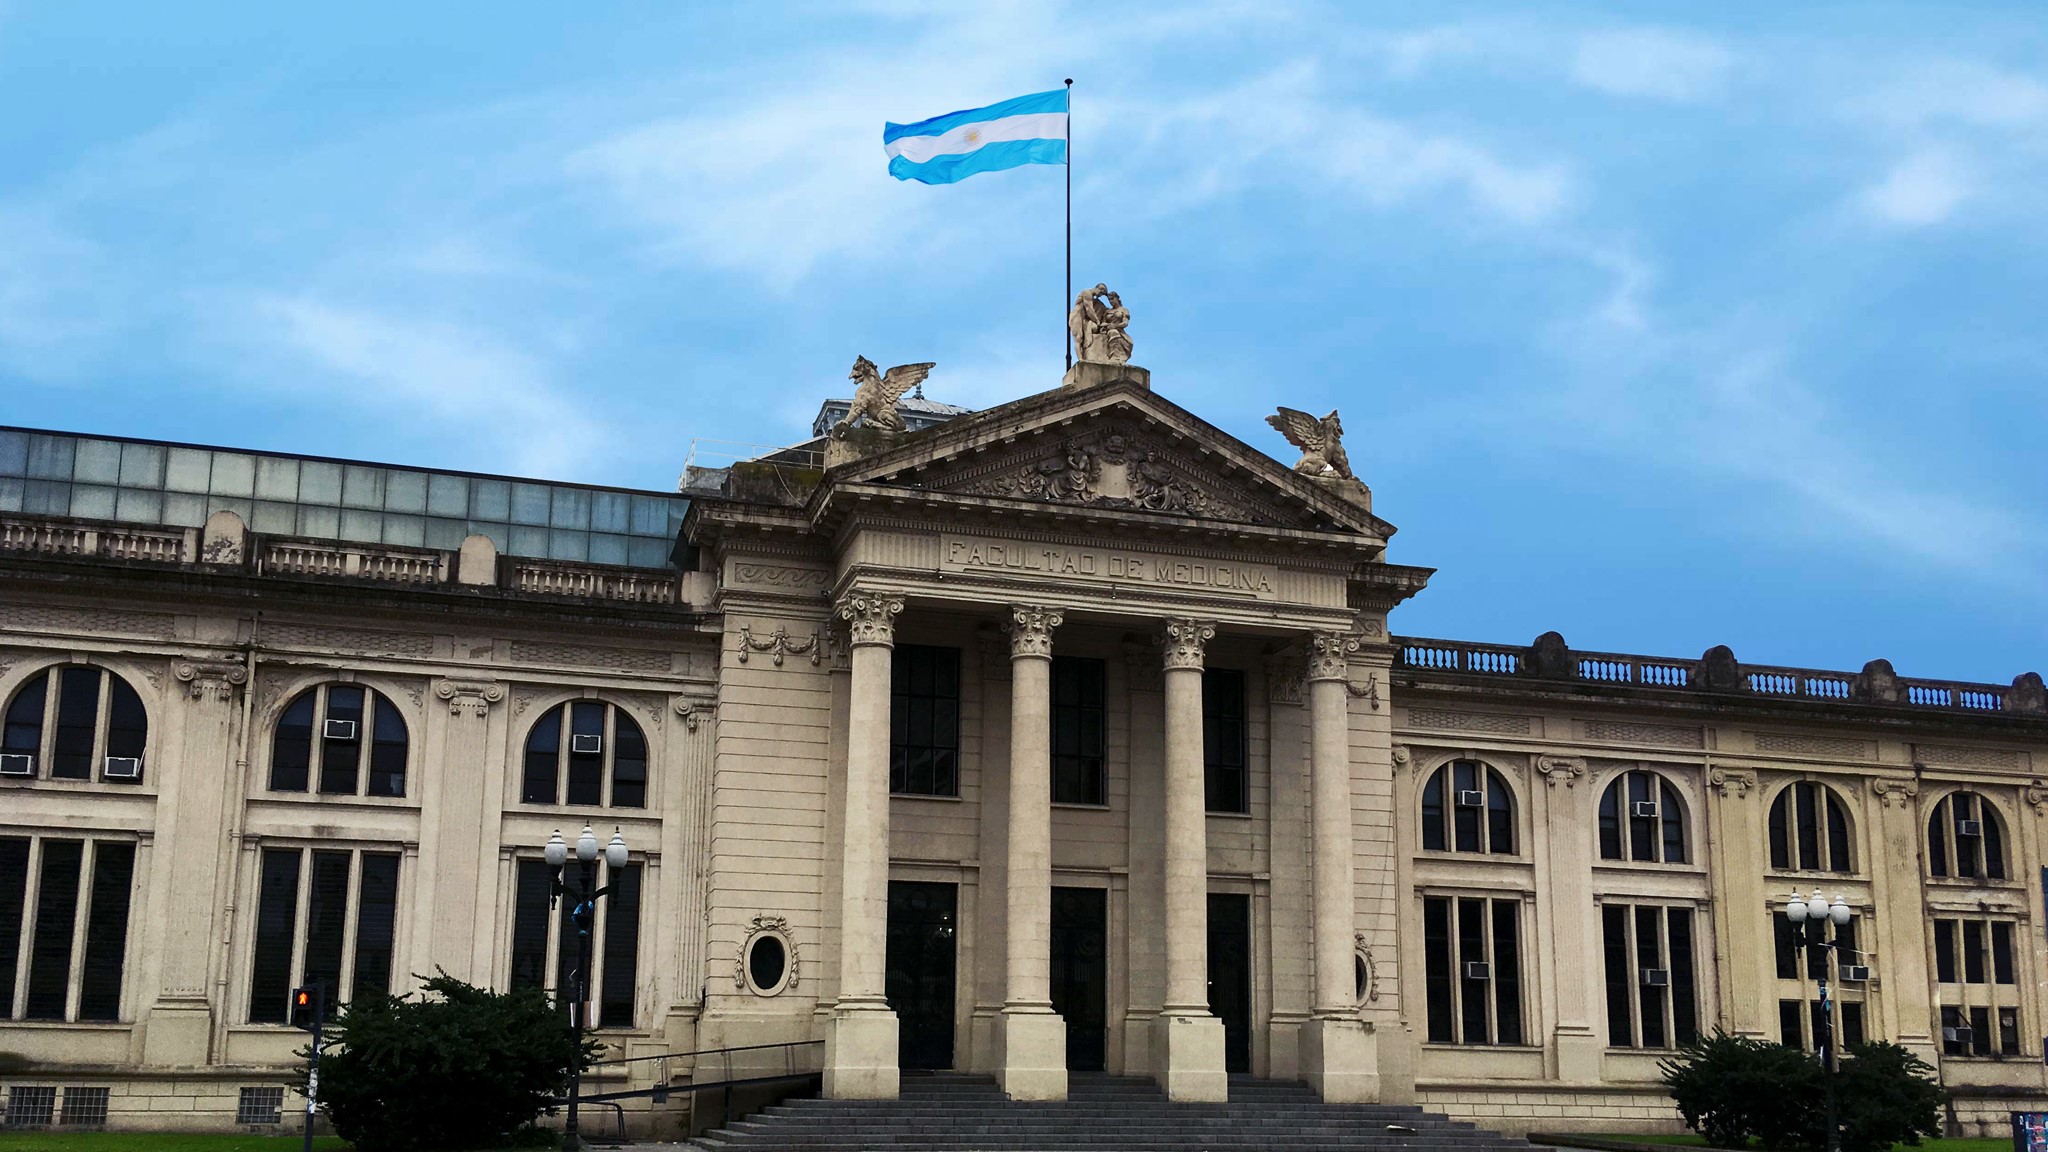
x=1329 y=655
x=1030 y=627
x=1184 y=641
x=472 y=698
x=214 y=680
x=870 y=616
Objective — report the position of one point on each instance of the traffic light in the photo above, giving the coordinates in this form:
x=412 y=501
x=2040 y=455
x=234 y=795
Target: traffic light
x=309 y=1006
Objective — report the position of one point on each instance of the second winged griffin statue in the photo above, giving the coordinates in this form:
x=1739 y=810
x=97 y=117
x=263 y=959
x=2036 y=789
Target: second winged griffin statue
x=875 y=394
x=1321 y=442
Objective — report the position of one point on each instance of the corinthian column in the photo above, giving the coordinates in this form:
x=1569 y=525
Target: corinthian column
x=860 y=1039
x=1187 y=1042
x=1337 y=1056
x=1034 y=1037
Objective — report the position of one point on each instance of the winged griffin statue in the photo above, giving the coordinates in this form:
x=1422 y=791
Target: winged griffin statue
x=1321 y=442
x=875 y=394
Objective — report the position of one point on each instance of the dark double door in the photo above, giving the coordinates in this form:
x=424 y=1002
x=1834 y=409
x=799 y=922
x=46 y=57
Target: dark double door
x=1230 y=975
x=1080 y=973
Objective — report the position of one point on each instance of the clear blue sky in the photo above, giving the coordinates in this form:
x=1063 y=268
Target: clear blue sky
x=1660 y=334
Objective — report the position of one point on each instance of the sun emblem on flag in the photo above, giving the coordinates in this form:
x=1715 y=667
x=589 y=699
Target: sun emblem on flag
x=974 y=135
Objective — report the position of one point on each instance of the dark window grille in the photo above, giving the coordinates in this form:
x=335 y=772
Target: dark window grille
x=84 y=1106
x=258 y=1106
x=49 y=966
x=31 y=1105
x=1079 y=703
x=1226 y=780
x=924 y=721
x=106 y=935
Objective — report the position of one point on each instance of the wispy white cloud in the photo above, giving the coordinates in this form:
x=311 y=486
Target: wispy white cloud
x=1658 y=63
x=56 y=294
x=1924 y=188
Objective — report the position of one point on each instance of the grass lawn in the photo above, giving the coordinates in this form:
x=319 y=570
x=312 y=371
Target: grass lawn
x=162 y=1142
x=1957 y=1144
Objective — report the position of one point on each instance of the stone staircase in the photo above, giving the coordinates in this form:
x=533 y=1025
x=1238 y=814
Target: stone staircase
x=944 y=1112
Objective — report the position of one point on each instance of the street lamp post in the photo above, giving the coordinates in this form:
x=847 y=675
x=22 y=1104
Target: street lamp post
x=581 y=913
x=1810 y=919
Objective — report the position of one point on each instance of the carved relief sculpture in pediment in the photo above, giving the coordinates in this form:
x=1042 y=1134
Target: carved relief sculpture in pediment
x=1113 y=467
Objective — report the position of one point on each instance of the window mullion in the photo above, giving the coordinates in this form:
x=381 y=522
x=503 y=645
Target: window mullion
x=31 y=898
x=96 y=769
x=600 y=920
x=1667 y=962
x=1635 y=979
x=1492 y=969
x=47 y=763
x=352 y=893
x=302 y=914
x=316 y=762
x=88 y=860
x=563 y=740
x=604 y=762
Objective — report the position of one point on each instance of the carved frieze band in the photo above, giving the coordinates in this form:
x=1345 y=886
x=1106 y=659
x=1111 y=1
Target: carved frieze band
x=870 y=616
x=778 y=576
x=1565 y=770
x=471 y=698
x=1030 y=628
x=1184 y=642
x=215 y=680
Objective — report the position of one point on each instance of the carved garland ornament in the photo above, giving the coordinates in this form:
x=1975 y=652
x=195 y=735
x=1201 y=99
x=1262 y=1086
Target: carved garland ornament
x=471 y=698
x=780 y=644
x=870 y=617
x=1184 y=641
x=1368 y=691
x=1031 y=627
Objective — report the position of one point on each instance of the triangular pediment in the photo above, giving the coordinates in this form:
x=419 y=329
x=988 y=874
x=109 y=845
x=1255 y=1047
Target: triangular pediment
x=1115 y=448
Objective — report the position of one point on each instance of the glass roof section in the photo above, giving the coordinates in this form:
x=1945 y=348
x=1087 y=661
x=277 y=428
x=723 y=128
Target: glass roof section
x=179 y=485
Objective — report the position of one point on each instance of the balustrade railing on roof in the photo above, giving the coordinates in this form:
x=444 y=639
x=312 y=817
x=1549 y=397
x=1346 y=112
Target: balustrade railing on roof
x=360 y=561
x=640 y=585
x=1620 y=668
x=1456 y=656
x=112 y=542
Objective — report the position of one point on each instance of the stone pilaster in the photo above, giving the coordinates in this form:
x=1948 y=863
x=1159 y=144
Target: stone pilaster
x=1034 y=1037
x=1744 y=946
x=1187 y=1042
x=1567 y=924
x=188 y=886
x=455 y=923
x=861 y=1038
x=1339 y=1058
x=1900 y=935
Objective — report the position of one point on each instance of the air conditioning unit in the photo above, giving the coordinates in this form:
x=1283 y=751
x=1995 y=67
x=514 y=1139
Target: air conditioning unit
x=1855 y=973
x=18 y=764
x=1478 y=970
x=1957 y=1035
x=1969 y=827
x=1471 y=798
x=1656 y=977
x=1646 y=808
x=586 y=743
x=122 y=768
x=340 y=729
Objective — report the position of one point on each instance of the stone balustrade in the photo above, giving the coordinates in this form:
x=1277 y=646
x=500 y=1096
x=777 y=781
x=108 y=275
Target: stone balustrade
x=1717 y=671
x=597 y=582
x=358 y=561
x=106 y=541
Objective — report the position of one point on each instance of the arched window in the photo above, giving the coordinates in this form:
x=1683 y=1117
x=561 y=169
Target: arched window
x=1964 y=838
x=1810 y=830
x=1467 y=807
x=331 y=734
x=1642 y=819
x=589 y=742
x=73 y=722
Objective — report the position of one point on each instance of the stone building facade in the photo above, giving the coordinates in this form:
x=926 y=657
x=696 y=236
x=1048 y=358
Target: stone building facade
x=1063 y=736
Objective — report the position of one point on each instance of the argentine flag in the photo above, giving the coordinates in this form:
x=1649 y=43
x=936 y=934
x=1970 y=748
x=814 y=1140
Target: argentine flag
x=1027 y=130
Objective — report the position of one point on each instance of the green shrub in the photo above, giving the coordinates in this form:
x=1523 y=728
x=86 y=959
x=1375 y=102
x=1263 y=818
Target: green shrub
x=461 y=1067
x=1734 y=1090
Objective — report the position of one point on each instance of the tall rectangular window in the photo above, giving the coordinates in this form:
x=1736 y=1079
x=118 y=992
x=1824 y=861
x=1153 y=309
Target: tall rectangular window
x=49 y=963
x=13 y=898
x=1977 y=977
x=1078 y=707
x=106 y=931
x=924 y=721
x=1652 y=1001
x=541 y=933
x=345 y=938
x=62 y=899
x=1226 y=780
x=1473 y=960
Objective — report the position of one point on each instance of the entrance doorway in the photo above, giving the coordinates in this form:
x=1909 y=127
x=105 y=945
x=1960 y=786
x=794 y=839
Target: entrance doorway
x=1080 y=973
x=921 y=970
x=1230 y=976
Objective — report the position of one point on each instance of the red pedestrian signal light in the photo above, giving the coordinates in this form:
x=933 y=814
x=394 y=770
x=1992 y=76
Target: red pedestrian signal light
x=308 y=1008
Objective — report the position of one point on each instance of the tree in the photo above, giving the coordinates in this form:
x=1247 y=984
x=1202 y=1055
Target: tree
x=460 y=1067
x=1732 y=1090
x=1887 y=1096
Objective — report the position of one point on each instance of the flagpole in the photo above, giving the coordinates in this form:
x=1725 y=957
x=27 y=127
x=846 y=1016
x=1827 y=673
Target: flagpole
x=1067 y=301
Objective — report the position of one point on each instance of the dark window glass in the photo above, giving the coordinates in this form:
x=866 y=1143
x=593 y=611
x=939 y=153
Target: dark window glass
x=1078 y=704
x=1945 y=951
x=1852 y=1021
x=621 y=947
x=1806 y=821
x=1789 y=1033
x=1224 y=749
x=127 y=723
x=1648 y=955
x=1955 y=1032
x=2008 y=1031
x=1786 y=939
x=13 y=897
x=1507 y=972
x=1845 y=945
x=1436 y=945
x=1433 y=813
x=1685 y=1024
x=530 y=925
x=277 y=913
x=327 y=920
x=1781 y=834
x=341 y=755
x=1973 y=952
x=1610 y=822
x=1994 y=843
x=78 y=717
x=376 y=921
x=543 y=756
x=1500 y=815
x=106 y=931
x=291 y=749
x=49 y=959
x=1614 y=940
x=924 y=730
x=1472 y=947
x=629 y=763
x=2001 y=952
x=766 y=961
x=387 y=750
x=1937 y=841
x=1642 y=818
x=567 y=954
x=1964 y=807
x=1980 y=1031
x=1466 y=806
x=24 y=728
x=1673 y=815
x=586 y=765
x=1838 y=836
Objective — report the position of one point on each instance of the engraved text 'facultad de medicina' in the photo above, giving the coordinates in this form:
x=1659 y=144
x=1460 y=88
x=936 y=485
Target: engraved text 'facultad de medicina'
x=964 y=555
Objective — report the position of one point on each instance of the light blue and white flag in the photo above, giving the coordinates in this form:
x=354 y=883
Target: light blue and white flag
x=1028 y=130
